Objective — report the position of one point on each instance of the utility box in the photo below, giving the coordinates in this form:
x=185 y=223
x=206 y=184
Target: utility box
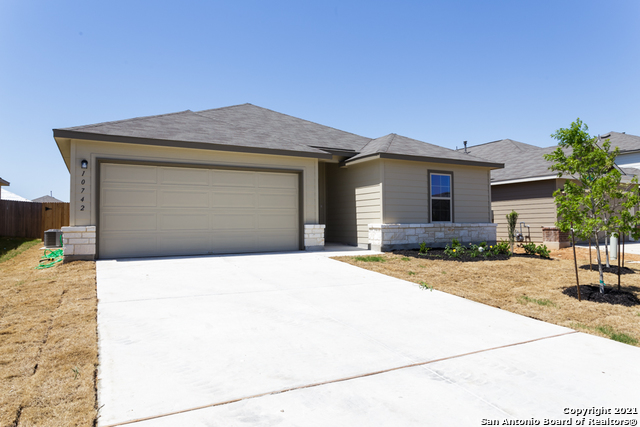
x=53 y=238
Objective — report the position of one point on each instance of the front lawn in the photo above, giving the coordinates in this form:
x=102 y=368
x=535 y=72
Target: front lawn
x=48 y=345
x=524 y=284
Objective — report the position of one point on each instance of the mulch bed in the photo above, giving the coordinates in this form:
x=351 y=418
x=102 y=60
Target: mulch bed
x=434 y=254
x=613 y=269
x=610 y=296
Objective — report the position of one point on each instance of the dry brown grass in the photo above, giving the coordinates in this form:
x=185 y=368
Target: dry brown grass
x=48 y=344
x=514 y=284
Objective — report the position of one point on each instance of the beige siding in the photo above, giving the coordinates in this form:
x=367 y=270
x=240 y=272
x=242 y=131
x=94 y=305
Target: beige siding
x=354 y=200
x=532 y=200
x=406 y=193
x=83 y=195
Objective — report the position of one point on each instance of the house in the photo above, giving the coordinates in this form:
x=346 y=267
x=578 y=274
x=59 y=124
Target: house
x=3 y=183
x=248 y=179
x=526 y=185
x=8 y=195
x=47 y=199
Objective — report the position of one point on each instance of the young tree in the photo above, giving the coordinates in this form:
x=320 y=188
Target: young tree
x=593 y=198
x=512 y=221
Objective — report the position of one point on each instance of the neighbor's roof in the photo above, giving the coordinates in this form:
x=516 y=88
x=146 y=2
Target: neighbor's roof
x=248 y=128
x=3 y=182
x=8 y=195
x=47 y=199
x=626 y=143
x=520 y=160
x=526 y=162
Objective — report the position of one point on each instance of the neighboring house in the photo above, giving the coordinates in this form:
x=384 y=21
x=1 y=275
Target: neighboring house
x=3 y=183
x=47 y=199
x=526 y=184
x=8 y=195
x=248 y=179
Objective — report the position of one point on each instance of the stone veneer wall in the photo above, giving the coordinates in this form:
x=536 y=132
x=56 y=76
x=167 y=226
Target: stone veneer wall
x=386 y=237
x=79 y=243
x=553 y=238
x=314 y=237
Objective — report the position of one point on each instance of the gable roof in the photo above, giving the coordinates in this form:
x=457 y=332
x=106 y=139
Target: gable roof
x=47 y=199
x=526 y=162
x=248 y=128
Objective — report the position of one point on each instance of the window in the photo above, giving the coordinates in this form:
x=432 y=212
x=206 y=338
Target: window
x=441 y=197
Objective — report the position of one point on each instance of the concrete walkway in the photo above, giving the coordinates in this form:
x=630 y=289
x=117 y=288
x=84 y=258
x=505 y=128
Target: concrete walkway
x=299 y=339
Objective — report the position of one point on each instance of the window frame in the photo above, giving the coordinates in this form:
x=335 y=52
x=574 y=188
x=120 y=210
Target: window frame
x=430 y=173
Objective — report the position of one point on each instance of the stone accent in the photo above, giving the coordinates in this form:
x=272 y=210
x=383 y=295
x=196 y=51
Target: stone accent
x=79 y=243
x=553 y=238
x=314 y=237
x=387 y=237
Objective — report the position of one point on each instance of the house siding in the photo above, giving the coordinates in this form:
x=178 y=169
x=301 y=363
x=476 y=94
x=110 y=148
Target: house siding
x=406 y=192
x=353 y=201
x=534 y=203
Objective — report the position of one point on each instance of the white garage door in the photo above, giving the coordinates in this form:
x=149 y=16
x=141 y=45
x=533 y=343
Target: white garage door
x=158 y=210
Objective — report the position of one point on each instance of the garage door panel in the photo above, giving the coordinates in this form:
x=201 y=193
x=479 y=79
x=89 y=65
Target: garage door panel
x=182 y=221
x=184 y=243
x=277 y=241
x=184 y=176
x=233 y=200
x=224 y=178
x=191 y=211
x=129 y=174
x=128 y=245
x=128 y=197
x=277 y=180
x=276 y=200
x=278 y=220
x=233 y=221
x=128 y=221
x=184 y=199
x=234 y=242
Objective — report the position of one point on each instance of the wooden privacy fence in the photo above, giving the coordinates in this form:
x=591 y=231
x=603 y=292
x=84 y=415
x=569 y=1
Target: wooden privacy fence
x=30 y=219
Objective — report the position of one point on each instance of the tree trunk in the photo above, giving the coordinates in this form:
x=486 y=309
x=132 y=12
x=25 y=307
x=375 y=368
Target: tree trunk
x=599 y=265
x=606 y=247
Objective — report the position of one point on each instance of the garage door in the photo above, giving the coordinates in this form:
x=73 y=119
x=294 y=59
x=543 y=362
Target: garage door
x=157 y=210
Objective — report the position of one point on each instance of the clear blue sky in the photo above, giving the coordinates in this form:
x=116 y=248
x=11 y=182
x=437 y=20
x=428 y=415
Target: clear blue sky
x=437 y=71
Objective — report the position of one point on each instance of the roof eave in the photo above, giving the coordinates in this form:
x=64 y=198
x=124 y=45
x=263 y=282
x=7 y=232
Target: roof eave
x=63 y=133
x=490 y=165
x=4 y=183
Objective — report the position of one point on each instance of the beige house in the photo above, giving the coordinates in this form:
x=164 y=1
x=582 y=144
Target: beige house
x=526 y=185
x=248 y=179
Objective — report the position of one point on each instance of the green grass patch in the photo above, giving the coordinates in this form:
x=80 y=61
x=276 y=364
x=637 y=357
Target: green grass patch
x=610 y=332
x=405 y=258
x=412 y=273
x=370 y=258
x=543 y=302
x=13 y=246
x=425 y=286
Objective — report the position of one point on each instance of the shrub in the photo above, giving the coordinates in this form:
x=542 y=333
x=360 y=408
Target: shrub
x=543 y=251
x=529 y=248
x=455 y=243
x=423 y=248
x=501 y=247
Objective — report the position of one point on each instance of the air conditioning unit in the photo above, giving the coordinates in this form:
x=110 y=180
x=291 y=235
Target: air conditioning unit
x=53 y=238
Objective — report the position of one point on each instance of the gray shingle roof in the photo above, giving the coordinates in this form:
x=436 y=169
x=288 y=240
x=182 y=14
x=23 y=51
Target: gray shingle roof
x=250 y=128
x=522 y=161
x=397 y=146
x=47 y=199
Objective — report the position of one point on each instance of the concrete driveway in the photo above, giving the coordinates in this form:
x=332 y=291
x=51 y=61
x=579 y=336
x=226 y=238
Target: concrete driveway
x=298 y=339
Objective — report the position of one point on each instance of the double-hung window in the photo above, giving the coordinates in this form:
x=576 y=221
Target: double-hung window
x=441 y=200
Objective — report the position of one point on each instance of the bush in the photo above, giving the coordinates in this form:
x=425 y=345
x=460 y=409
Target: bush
x=501 y=247
x=543 y=251
x=529 y=248
x=423 y=248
